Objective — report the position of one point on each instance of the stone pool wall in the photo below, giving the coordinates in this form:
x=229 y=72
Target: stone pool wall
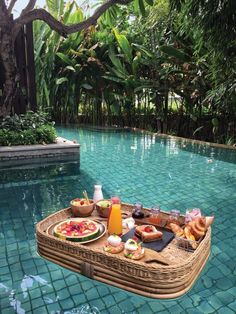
x=63 y=150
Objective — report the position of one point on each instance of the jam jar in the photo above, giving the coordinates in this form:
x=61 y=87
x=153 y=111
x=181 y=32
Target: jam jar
x=174 y=217
x=155 y=215
x=138 y=212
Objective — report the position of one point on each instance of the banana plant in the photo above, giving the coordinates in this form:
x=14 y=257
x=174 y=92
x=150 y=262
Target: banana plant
x=126 y=61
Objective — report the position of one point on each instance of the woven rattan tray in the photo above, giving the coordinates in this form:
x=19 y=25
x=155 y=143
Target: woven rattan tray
x=166 y=274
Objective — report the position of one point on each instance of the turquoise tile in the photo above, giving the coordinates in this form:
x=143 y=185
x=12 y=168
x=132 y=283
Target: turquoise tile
x=79 y=298
x=66 y=304
x=225 y=297
x=232 y=306
x=226 y=311
x=36 y=303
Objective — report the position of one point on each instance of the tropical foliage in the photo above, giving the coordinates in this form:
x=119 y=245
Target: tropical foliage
x=146 y=65
x=31 y=128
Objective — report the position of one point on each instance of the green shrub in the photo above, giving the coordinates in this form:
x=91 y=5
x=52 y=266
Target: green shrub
x=30 y=120
x=29 y=129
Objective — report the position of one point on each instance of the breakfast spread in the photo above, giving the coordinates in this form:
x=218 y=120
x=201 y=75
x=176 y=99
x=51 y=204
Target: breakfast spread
x=77 y=229
x=148 y=233
x=133 y=249
x=146 y=255
x=113 y=244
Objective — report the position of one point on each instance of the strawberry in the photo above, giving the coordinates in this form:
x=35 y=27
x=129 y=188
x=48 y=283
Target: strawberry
x=148 y=229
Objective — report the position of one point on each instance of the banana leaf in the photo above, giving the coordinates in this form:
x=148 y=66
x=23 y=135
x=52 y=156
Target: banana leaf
x=117 y=63
x=61 y=80
x=55 y=7
x=142 y=7
x=86 y=86
x=124 y=44
x=173 y=52
x=150 y=2
x=65 y=58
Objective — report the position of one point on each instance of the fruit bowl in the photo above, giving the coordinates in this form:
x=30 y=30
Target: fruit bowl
x=80 y=208
x=103 y=208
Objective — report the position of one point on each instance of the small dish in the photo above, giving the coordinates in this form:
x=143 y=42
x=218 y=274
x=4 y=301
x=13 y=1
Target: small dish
x=103 y=208
x=80 y=208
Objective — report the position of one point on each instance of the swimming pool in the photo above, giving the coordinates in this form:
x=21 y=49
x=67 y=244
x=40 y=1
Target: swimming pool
x=174 y=174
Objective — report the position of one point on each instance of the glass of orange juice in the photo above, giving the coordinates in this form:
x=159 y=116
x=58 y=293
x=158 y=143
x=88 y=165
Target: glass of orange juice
x=115 y=199
x=115 y=220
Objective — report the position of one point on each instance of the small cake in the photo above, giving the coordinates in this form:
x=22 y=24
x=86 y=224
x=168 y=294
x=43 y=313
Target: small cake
x=113 y=244
x=133 y=250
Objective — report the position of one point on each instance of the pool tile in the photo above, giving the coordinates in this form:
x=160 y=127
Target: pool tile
x=8 y=311
x=225 y=311
x=103 y=291
x=176 y=309
x=87 y=285
x=100 y=305
x=67 y=304
x=41 y=310
x=119 y=296
x=206 y=308
x=171 y=176
x=225 y=297
x=79 y=298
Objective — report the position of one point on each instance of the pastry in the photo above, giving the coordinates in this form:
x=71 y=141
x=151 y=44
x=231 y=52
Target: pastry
x=209 y=221
x=190 y=236
x=148 y=233
x=133 y=250
x=113 y=244
x=198 y=227
x=177 y=230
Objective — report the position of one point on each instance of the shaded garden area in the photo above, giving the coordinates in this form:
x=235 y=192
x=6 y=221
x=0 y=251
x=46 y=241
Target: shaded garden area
x=164 y=66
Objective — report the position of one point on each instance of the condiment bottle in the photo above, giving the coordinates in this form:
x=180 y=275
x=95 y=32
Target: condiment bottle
x=174 y=217
x=97 y=195
x=115 y=220
x=155 y=217
x=137 y=211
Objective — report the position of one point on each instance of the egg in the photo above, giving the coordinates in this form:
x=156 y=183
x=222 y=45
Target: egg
x=131 y=245
x=114 y=240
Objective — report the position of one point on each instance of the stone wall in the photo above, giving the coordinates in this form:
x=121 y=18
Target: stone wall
x=62 y=150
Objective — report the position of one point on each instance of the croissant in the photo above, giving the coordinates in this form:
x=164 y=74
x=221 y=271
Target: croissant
x=190 y=236
x=177 y=229
x=209 y=221
x=198 y=227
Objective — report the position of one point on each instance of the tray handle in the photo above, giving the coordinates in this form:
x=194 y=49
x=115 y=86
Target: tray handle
x=87 y=270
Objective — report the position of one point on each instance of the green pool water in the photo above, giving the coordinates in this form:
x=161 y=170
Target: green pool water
x=152 y=170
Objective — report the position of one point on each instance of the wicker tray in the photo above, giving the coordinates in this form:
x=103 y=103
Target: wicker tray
x=166 y=274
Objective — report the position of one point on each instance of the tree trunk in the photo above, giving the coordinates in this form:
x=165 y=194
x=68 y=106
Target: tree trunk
x=9 y=64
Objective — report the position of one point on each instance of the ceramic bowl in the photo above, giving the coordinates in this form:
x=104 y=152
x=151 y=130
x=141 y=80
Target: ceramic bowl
x=79 y=210
x=103 y=208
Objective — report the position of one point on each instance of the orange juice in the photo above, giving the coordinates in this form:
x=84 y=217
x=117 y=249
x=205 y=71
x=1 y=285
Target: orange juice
x=115 y=220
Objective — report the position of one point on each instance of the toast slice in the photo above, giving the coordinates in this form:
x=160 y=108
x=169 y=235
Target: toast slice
x=148 y=233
